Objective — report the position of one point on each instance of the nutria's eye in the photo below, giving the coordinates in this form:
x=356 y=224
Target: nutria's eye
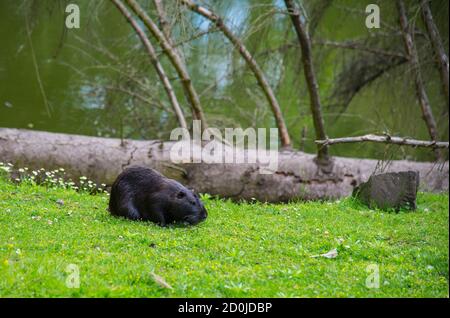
x=181 y=195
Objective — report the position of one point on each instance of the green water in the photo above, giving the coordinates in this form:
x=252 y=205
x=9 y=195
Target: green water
x=71 y=98
x=74 y=74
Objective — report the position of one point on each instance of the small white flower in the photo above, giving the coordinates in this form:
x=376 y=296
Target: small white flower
x=6 y=169
x=18 y=251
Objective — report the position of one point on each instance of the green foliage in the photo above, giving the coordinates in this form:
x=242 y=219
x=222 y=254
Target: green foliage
x=99 y=80
x=242 y=250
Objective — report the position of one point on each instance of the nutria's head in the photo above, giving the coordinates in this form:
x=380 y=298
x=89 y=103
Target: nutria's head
x=185 y=206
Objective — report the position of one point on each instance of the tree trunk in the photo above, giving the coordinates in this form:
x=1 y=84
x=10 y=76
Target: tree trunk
x=154 y=60
x=297 y=176
x=438 y=48
x=176 y=61
x=254 y=67
x=310 y=76
x=414 y=62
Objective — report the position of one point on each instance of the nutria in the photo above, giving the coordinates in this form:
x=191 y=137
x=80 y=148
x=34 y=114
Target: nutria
x=141 y=193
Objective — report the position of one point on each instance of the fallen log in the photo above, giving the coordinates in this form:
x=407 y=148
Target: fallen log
x=297 y=177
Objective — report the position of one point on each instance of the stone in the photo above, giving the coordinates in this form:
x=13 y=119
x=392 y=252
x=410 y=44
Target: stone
x=393 y=190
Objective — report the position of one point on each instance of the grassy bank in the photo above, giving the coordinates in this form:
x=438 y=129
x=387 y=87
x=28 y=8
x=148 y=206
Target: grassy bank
x=242 y=250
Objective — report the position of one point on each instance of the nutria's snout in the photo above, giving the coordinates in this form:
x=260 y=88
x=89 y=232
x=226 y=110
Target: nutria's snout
x=203 y=214
x=194 y=219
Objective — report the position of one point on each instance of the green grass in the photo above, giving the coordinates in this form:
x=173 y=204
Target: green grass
x=242 y=250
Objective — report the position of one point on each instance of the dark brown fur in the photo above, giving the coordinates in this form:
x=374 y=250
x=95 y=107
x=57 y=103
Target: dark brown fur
x=141 y=193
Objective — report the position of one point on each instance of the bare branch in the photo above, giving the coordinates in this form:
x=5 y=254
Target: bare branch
x=154 y=59
x=298 y=21
x=166 y=28
x=414 y=62
x=357 y=75
x=260 y=77
x=386 y=139
x=360 y=47
x=194 y=37
x=175 y=59
x=441 y=57
x=138 y=96
x=352 y=45
x=163 y=23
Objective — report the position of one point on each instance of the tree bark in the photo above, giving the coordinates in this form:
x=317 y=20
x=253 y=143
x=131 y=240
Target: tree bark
x=298 y=20
x=254 y=67
x=385 y=139
x=154 y=60
x=297 y=176
x=176 y=61
x=438 y=48
x=414 y=62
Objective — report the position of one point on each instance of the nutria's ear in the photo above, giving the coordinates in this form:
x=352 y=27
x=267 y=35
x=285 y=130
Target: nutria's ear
x=193 y=192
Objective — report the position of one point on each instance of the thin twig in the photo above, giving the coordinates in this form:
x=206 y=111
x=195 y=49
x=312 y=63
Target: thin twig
x=358 y=46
